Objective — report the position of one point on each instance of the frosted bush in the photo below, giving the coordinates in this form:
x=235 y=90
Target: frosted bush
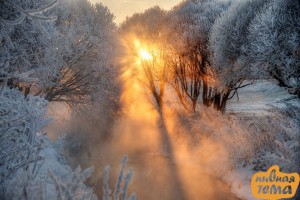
x=74 y=188
x=119 y=190
x=23 y=186
x=277 y=137
x=20 y=121
x=256 y=141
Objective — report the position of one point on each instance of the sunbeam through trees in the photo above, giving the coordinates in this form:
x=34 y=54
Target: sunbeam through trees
x=195 y=99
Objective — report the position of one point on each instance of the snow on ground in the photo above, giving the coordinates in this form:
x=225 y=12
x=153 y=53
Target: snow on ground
x=255 y=100
x=258 y=97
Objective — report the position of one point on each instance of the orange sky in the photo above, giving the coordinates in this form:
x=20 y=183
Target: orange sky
x=123 y=8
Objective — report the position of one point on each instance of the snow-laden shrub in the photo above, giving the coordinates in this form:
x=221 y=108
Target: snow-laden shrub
x=55 y=180
x=24 y=186
x=119 y=190
x=20 y=121
x=235 y=146
x=276 y=137
x=257 y=141
x=74 y=188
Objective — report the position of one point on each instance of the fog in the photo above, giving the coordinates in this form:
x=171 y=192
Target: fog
x=170 y=158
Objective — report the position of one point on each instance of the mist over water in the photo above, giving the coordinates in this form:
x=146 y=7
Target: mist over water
x=199 y=98
x=168 y=160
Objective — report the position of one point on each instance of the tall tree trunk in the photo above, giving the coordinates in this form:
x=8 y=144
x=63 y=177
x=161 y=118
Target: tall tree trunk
x=217 y=101
x=161 y=94
x=205 y=94
x=224 y=102
x=194 y=104
x=157 y=99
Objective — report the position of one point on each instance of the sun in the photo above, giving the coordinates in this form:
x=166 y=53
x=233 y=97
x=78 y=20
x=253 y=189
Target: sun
x=145 y=55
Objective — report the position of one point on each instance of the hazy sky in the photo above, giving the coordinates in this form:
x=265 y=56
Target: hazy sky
x=123 y=8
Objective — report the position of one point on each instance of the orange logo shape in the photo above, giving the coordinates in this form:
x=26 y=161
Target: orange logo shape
x=273 y=184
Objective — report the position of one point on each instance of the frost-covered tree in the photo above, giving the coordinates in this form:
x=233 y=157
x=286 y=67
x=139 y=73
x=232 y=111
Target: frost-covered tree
x=23 y=56
x=145 y=28
x=106 y=18
x=86 y=34
x=26 y=36
x=65 y=44
x=229 y=45
x=257 y=39
x=187 y=33
x=34 y=52
x=274 y=43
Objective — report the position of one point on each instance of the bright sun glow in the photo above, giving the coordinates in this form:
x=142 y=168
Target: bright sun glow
x=145 y=55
